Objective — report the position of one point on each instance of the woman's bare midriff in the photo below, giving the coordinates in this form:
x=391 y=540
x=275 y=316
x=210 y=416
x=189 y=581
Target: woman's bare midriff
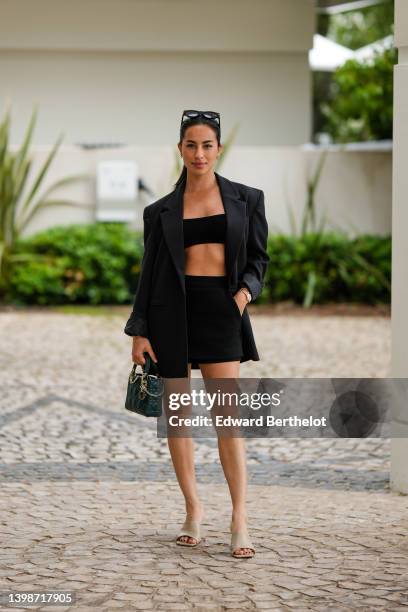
x=206 y=259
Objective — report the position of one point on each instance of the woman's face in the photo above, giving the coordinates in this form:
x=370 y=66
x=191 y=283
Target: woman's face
x=199 y=149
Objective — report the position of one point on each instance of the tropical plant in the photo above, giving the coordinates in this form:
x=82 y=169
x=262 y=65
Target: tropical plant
x=309 y=221
x=313 y=234
x=308 y=224
x=360 y=105
x=19 y=201
x=357 y=28
x=333 y=268
x=99 y=263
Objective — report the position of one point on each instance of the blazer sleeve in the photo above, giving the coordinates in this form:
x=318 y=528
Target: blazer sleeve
x=137 y=322
x=257 y=256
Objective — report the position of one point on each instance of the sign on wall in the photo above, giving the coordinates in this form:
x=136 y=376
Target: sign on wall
x=116 y=190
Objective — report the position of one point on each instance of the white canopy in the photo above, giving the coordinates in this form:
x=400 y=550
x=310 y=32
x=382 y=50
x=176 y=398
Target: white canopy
x=369 y=51
x=327 y=55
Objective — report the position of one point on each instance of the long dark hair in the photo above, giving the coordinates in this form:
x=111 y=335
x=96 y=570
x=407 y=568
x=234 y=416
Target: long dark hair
x=188 y=123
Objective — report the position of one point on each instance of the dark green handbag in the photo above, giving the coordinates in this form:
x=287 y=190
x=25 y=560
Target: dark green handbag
x=145 y=389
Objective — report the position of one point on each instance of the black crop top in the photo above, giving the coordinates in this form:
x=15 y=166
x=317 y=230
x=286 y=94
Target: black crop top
x=204 y=229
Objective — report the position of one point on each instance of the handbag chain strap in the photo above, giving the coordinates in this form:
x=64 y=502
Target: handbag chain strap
x=143 y=391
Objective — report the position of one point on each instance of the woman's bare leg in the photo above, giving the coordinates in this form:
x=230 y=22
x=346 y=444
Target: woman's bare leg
x=182 y=455
x=232 y=454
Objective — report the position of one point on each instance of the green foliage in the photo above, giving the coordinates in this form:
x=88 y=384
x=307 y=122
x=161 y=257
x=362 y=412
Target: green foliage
x=100 y=264
x=355 y=29
x=19 y=200
x=82 y=264
x=309 y=222
x=360 y=106
x=319 y=268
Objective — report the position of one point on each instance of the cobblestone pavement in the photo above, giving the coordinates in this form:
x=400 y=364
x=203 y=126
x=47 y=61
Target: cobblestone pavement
x=90 y=501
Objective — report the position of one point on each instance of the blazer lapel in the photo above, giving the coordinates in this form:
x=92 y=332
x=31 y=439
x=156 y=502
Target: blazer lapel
x=172 y=225
x=235 y=210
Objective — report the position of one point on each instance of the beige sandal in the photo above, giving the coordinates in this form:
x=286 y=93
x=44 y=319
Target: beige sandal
x=191 y=529
x=239 y=540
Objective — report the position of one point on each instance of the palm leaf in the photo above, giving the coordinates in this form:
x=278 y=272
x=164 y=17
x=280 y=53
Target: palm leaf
x=310 y=289
x=63 y=182
x=45 y=204
x=4 y=132
x=6 y=199
x=309 y=212
x=20 y=159
x=292 y=220
x=21 y=222
x=42 y=173
x=21 y=181
x=317 y=175
x=15 y=210
x=323 y=221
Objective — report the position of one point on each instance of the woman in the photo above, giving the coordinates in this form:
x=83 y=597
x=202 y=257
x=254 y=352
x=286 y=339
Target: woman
x=204 y=261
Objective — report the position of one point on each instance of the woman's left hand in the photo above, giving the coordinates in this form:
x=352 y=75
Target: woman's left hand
x=241 y=301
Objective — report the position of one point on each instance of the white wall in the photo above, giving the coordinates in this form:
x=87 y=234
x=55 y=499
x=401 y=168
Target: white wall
x=355 y=186
x=137 y=98
x=123 y=70
x=158 y=25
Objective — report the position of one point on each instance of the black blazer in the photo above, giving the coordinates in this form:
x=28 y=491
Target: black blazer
x=159 y=309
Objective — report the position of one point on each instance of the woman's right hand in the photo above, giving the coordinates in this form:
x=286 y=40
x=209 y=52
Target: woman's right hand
x=142 y=345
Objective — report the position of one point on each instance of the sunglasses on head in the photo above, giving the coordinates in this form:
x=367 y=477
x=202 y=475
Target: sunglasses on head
x=193 y=114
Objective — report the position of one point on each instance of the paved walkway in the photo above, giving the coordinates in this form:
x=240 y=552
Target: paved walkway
x=90 y=501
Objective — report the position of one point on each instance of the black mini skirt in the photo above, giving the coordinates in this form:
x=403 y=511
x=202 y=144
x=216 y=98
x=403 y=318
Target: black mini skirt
x=213 y=321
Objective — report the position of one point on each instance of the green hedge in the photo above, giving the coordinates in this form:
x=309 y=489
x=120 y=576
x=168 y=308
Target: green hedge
x=329 y=268
x=100 y=264
x=83 y=264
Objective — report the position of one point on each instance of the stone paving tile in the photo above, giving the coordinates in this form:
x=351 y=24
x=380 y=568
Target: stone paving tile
x=121 y=541
x=90 y=501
